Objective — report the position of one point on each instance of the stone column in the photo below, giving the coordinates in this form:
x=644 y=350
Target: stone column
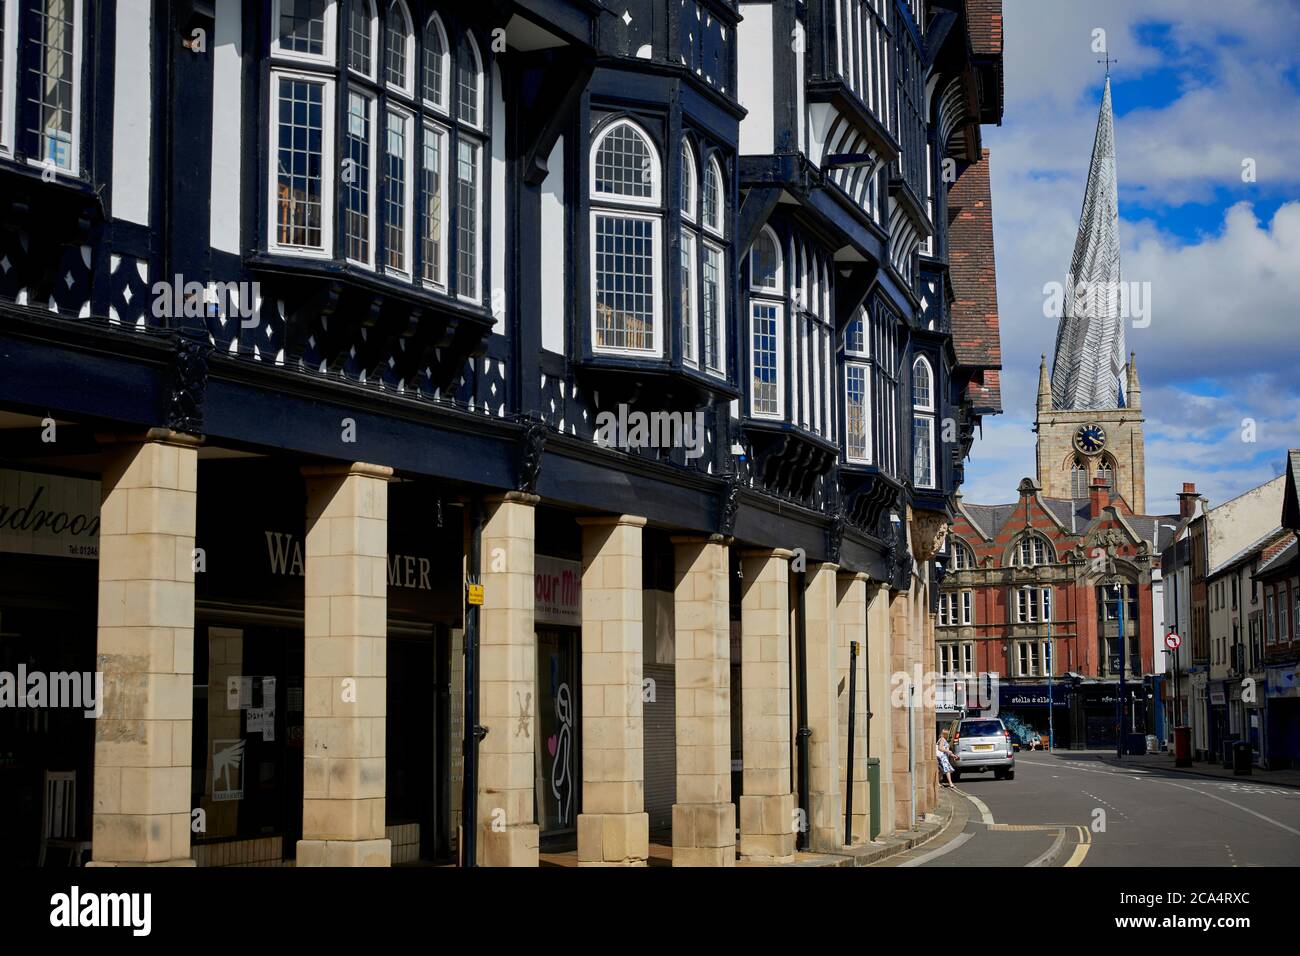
x=899 y=710
x=767 y=804
x=704 y=818
x=146 y=653
x=851 y=621
x=345 y=641
x=613 y=829
x=508 y=834
x=879 y=655
x=826 y=812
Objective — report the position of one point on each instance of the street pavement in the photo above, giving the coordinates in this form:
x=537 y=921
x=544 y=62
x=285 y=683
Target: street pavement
x=1072 y=808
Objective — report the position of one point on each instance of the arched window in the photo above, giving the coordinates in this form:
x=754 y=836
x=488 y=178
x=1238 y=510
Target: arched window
x=362 y=38
x=713 y=198
x=923 y=463
x=625 y=240
x=434 y=81
x=765 y=263
x=401 y=160
x=469 y=83
x=713 y=273
x=689 y=198
x=399 y=49
x=963 y=558
x=1079 y=477
x=766 y=327
x=1033 y=550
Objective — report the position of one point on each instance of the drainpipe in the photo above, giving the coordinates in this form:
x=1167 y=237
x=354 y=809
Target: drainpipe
x=805 y=732
x=848 y=786
x=473 y=732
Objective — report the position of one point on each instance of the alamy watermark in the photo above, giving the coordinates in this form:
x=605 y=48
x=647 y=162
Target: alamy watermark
x=196 y=300
x=628 y=430
x=1123 y=299
x=78 y=690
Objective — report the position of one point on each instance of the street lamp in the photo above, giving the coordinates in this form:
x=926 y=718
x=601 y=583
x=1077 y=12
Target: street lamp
x=1123 y=684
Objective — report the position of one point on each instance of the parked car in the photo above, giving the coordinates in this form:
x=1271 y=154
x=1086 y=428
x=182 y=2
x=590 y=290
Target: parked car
x=980 y=744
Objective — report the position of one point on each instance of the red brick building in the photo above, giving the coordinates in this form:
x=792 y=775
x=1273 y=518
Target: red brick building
x=1030 y=594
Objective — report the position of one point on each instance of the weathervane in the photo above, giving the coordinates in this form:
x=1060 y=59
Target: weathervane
x=1108 y=61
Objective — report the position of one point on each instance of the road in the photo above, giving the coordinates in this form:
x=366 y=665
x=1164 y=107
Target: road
x=1085 y=809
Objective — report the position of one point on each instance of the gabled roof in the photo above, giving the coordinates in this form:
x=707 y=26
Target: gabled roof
x=1291 y=497
x=1278 y=558
x=1255 y=548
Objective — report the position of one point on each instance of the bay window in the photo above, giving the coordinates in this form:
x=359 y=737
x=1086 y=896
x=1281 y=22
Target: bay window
x=400 y=147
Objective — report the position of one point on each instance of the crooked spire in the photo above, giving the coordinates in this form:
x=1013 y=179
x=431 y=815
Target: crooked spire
x=1090 y=347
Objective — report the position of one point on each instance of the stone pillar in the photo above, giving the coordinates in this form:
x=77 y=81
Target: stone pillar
x=879 y=655
x=704 y=818
x=929 y=717
x=767 y=805
x=900 y=710
x=851 y=621
x=508 y=685
x=146 y=653
x=826 y=812
x=345 y=642
x=613 y=829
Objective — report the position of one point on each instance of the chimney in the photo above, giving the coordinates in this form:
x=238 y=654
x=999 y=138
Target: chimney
x=1100 y=495
x=1187 y=500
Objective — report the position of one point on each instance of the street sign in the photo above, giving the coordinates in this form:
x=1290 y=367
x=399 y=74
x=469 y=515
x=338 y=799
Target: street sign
x=1173 y=641
x=475 y=593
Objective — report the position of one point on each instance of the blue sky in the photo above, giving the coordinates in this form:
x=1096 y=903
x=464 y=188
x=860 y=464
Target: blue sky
x=1201 y=91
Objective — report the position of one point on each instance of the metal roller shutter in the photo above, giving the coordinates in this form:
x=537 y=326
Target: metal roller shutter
x=660 y=717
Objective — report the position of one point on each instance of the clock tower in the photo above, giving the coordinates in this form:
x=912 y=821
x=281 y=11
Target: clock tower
x=1090 y=407
x=1074 y=444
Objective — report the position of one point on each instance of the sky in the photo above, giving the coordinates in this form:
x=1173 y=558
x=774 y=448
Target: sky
x=1205 y=92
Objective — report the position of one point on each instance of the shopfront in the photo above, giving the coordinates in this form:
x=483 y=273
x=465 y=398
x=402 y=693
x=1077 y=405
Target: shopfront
x=247 y=767
x=1283 y=738
x=558 y=609
x=49 y=545
x=1024 y=709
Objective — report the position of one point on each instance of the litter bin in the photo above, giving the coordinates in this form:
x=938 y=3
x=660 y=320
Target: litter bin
x=873 y=784
x=1182 y=746
x=1242 y=758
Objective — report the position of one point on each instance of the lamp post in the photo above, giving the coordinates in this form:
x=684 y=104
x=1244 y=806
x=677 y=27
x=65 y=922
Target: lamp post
x=1123 y=684
x=1051 y=666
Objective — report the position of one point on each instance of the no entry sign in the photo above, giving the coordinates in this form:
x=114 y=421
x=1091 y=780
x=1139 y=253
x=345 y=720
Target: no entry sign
x=1173 y=641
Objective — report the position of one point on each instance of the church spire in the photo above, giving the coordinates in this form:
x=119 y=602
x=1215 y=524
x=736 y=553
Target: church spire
x=1090 y=347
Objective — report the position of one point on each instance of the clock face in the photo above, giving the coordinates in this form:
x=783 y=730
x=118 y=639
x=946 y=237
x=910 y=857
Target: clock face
x=1090 y=439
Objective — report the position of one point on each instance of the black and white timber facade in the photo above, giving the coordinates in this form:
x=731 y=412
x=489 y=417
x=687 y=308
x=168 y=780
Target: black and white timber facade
x=467 y=244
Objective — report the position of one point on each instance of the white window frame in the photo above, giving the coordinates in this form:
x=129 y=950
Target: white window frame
x=655 y=199
x=74 y=137
x=864 y=459
x=408 y=206
x=657 y=309
x=923 y=418
x=716 y=226
x=429 y=127
x=371 y=143
x=454 y=183
x=1046 y=656
x=720 y=340
x=9 y=102
x=407 y=87
x=774 y=290
x=1045 y=598
x=967 y=606
x=444 y=106
x=481 y=73
x=328 y=196
x=376 y=27
x=779 y=306
x=690 y=300
x=645 y=208
x=968 y=657
x=689 y=195
x=330 y=42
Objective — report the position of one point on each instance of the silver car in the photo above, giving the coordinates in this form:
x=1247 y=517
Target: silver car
x=980 y=744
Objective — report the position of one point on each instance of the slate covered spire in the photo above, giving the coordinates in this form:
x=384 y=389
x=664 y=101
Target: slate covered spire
x=1090 y=347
